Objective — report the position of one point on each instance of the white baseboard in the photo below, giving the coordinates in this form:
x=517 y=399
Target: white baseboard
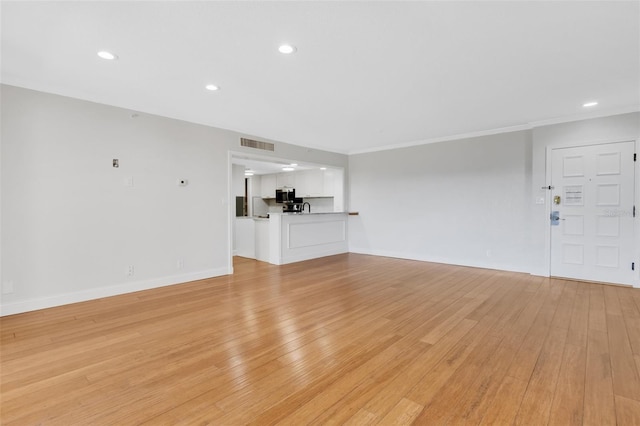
x=540 y=272
x=447 y=261
x=97 y=293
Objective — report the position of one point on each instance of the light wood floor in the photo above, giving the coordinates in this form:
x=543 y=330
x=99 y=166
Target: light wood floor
x=348 y=339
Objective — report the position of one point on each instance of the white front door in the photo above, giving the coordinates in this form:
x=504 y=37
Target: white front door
x=592 y=213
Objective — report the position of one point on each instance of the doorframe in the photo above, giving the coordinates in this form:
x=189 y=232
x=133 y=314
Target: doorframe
x=230 y=208
x=636 y=228
x=229 y=200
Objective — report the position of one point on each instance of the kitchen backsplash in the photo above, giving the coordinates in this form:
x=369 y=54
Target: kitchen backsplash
x=318 y=205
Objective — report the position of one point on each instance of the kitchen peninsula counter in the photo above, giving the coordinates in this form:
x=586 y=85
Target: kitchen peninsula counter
x=302 y=236
x=293 y=237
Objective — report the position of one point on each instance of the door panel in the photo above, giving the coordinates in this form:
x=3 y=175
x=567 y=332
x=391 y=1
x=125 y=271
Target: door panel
x=593 y=193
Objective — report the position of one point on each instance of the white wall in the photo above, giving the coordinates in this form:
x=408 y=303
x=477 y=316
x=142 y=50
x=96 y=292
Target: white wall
x=254 y=190
x=237 y=190
x=469 y=202
x=463 y=202
x=70 y=226
x=237 y=180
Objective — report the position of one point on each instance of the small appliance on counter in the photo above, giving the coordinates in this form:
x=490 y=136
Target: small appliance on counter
x=293 y=206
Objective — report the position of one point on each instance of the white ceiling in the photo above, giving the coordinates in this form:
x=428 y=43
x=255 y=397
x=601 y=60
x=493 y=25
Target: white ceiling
x=366 y=74
x=263 y=167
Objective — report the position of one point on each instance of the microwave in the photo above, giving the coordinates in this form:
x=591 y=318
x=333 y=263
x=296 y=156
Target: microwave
x=285 y=195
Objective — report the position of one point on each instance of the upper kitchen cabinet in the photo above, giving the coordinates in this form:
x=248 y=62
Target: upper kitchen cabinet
x=311 y=183
x=307 y=183
x=286 y=179
x=268 y=186
x=330 y=180
x=334 y=185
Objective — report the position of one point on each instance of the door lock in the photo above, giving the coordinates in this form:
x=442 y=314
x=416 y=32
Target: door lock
x=556 y=199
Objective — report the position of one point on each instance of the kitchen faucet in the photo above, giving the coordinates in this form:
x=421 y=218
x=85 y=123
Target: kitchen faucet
x=307 y=203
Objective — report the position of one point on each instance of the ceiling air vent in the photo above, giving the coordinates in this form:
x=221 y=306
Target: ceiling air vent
x=266 y=146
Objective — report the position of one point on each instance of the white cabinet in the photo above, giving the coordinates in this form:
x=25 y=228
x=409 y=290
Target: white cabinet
x=329 y=182
x=286 y=179
x=310 y=183
x=302 y=186
x=262 y=240
x=268 y=186
x=275 y=181
x=245 y=237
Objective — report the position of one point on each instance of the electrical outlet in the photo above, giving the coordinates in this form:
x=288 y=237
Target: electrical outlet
x=128 y=181
x=7 y=287
x=180 y=264
x=129 y=270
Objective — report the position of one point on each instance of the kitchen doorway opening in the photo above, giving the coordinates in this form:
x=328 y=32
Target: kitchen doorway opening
x=254 y=181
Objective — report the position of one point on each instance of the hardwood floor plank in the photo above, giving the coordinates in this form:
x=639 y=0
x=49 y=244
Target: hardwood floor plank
x=361 y=340
x=280 y=388
x=623 y=365
x=381 y=403
x=568 y=401
x=508 y=399
x=536 y=404
x=452 y=387
x=362 y=418
x=562 y=316
x=631 y=315
x=597 y=314
x=527 y=356
x=440 y=375
x=627 y=411
x=342 y=398
x=195 y=411
x=479 y=394
x=404 y=413
x=474 y=400
x=599 y=404
x=579 y=323
x=611 y=300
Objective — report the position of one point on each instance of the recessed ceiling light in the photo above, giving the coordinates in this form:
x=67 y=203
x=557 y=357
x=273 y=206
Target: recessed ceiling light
x=212 y=87
x=286 y=49
x=590 y=104
x=288 y=169
x=107 y=55
x=293 y=164
x=323 y=168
